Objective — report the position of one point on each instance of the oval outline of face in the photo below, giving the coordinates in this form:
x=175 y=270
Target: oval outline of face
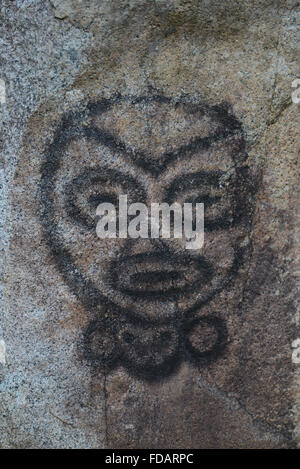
x=71 y=127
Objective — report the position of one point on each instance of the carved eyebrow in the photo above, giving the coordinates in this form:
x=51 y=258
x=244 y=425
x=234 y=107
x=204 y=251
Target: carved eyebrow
x=193 y=180
x=140 y=159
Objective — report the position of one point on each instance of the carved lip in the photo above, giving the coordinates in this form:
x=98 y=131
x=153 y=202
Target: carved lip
x=159 y=275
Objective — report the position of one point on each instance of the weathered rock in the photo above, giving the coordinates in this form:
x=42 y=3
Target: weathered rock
x=138 y=343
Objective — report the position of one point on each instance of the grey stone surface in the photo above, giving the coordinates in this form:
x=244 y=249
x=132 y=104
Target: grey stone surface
x=217 y=67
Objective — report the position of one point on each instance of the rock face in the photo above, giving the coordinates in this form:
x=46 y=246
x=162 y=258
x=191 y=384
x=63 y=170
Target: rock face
x=141 y=343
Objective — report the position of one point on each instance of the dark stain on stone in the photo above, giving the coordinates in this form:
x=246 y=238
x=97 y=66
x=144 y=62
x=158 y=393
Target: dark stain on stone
x=150 y=348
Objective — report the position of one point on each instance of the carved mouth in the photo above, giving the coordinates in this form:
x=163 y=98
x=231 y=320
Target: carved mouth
x=161 y=276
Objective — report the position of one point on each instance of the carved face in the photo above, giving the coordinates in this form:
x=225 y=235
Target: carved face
x=152 y=150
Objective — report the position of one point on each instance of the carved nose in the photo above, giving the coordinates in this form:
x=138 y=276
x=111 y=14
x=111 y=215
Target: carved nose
x=144 y=246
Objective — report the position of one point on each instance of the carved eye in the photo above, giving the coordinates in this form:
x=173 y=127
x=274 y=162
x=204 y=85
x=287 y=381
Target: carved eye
x=218 y=207
x=92 y=187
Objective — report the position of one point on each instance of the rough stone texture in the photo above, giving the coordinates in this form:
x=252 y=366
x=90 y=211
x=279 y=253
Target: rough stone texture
x=138 y=80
